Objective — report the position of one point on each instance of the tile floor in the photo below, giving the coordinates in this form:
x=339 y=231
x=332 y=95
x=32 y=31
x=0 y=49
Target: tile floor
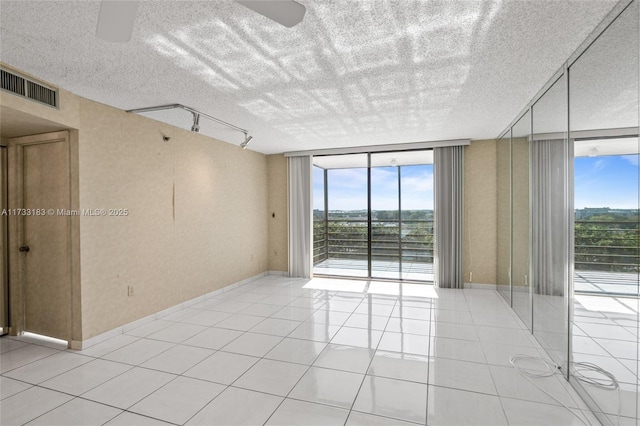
x=283 y=351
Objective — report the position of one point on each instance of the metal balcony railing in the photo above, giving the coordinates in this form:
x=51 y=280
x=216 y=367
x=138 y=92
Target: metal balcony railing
x=391 y=240
x=607 y=246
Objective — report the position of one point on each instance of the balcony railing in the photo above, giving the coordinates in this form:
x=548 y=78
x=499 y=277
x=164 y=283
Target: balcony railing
x=391 y=240
x=606 y=246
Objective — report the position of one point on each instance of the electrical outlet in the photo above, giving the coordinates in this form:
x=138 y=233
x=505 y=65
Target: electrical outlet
x=130 y=290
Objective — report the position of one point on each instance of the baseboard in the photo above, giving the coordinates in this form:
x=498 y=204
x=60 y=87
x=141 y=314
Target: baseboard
x=84 y=344
x=279 y=273
x=481 y=286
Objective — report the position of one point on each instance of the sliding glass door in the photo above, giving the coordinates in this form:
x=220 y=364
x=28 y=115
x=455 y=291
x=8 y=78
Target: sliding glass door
x=373 y=215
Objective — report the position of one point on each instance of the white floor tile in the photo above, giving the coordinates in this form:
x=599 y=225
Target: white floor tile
x=276 y=326
x=463 y=375
x=296 y=350
x=331 y=387
x=131 y=419
x=511 y=384
x=457 y=407
x=368 y=307
x=531 y=413
x=410 y=312
x=149 y=328
x=360 y=337
x=239 y=322
x=177 y=359
x=454 y=331
x=25 y=406
x=507 y=336
x=213 y=338
x=138 y=352
x=364 y=419
x=393 y=398
x=262 y=310
x=128 y=388
x=206 y=318
x=7 y=344
x=324 y=316
x=274 y=377
x=237 y=407
x=23 y=356
x=46 y=368
x=371 y=322
x=319 y=332
x=500 y=354
x=86 y=377
x=409 y=326
x=293 y=313
x=10 y=387
x=404 y=343
x=464 y=350
x=253 y=344
x=77 y=412
x=177 y=333
x=400 y=366
x=179 y=400
x=346 y=358
x=222 y=367
x=301 y=413
x=109 y=345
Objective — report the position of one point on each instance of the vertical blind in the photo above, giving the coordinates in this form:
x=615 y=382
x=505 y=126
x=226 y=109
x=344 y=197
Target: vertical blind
x=300 y=216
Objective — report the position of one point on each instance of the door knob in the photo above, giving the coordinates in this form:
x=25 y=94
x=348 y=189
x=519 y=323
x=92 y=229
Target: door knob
x=24 y=249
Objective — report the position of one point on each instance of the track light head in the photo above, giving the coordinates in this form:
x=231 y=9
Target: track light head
x=247 y=139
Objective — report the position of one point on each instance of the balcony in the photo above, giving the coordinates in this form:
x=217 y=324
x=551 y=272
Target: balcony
x=399 y=249
x=606 y=257
x=606 y=252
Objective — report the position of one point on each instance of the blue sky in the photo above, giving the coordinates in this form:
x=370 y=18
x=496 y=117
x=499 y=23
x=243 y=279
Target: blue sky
x=604 y=181
x=348 y=188
x=607 y=181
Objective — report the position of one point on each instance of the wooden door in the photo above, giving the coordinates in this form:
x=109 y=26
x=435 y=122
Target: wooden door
x=40 y=239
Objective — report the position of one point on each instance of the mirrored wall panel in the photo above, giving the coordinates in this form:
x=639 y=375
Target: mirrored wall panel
x=603 y=97
x=503 y=265
x=521 y=290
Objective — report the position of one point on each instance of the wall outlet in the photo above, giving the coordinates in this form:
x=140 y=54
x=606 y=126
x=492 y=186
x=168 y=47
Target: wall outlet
x=470 y=277
x=130 y=290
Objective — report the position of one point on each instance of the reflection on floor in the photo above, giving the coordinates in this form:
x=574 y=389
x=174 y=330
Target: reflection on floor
x=417 y=271
x=605 y=333
x=621 y=283
x=293 y=351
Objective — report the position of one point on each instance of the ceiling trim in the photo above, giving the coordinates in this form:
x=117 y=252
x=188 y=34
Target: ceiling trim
x=380 y=148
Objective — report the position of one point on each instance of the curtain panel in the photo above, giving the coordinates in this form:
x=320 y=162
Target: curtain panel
x=300 y=216
x=448 y=173
x=551 y=209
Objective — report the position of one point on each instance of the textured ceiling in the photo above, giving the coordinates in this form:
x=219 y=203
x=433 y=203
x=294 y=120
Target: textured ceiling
x=352 y=73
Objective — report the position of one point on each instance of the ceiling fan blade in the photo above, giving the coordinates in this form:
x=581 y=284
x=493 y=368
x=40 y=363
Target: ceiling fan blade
x=116 y=19
x=285 y=12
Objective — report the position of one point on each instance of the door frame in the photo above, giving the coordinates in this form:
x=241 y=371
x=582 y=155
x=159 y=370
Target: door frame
x=15 y=232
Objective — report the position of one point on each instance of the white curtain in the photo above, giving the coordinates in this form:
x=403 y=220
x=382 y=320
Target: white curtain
x=448 y=173
x=551 y=207
x=300 y=216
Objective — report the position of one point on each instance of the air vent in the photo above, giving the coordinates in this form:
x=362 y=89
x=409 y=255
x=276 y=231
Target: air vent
x=28 y=88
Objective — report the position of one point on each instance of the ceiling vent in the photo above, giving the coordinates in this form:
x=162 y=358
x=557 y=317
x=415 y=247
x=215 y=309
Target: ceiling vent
x=28 y=88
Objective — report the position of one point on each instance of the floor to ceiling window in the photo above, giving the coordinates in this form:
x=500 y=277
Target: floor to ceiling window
x=373 y=215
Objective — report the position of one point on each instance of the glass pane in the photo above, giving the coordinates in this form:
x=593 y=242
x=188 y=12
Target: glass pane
x=385 y=214
x=604 y=123
x=417 y=220
x=503 y=271
x=320 y=252
x=347 y=216
x=521 y=291
x=549 y=162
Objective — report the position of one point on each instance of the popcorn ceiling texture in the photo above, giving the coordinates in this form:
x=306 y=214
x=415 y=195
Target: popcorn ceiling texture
x=352 y=73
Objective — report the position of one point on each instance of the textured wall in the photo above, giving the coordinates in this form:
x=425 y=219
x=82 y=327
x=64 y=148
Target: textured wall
x=278 y=225
x=197 y=221
x=503 y=204
x=480 y=223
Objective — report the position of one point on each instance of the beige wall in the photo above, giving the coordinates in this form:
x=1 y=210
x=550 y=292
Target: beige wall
x=278 y=225
x=503 y=205
x=198 y=216
x=480 y=222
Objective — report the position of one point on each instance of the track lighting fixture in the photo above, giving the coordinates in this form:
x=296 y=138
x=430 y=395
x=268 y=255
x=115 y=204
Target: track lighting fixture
x=247 y=139
x=195 y=127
